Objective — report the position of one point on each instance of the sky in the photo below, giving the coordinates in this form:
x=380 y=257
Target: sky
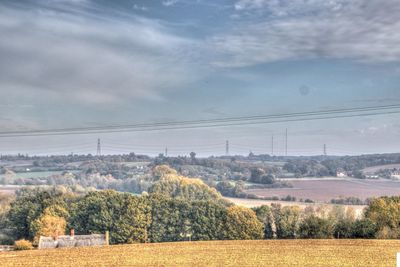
x=79 y=63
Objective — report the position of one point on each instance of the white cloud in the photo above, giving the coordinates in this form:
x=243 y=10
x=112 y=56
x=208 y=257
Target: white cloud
x=250 y=4
x=378 y=129
x=63 y=57
x=69 y=1
x=361 y=30
x=169 y=2
x=139 y=7
x=289 y=7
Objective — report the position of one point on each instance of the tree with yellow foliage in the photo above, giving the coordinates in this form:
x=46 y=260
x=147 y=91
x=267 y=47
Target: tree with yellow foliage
x=170 y=183
x=242 y=223
x=385 y=213
x=48 y=224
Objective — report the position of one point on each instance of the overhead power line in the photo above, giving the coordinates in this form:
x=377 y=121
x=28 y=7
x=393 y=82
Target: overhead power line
x=210 y=123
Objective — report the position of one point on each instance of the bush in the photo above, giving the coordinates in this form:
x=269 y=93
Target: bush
x=364 y=228
x=315 y=227
x=288 y=198
x=6 y=239
x=343 y=228
x=286 y=221
x=23 y=245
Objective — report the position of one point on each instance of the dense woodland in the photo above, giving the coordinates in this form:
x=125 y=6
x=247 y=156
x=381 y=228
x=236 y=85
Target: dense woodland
x=177 y=208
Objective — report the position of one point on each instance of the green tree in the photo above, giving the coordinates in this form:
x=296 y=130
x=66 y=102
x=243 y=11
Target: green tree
x=30 y=204
x=226 y=188
x=364 y=228
x=172 y=219
x=315 y=227
x=207 y=220
x=343 y=229
x=287 y=221
x=193 y=157
x=264 y=215
x=5 y=235
x=127 y=217
x=168 y=217
x=343 y=221
x=256 y=174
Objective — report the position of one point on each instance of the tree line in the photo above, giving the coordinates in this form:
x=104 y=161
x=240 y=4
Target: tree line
x=178 y=208
x=128 y=218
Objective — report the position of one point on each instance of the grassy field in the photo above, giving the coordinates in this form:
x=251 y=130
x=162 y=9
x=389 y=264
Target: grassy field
x=36 y=174
x=218 y=253
x=323 y=190
x=374 y=169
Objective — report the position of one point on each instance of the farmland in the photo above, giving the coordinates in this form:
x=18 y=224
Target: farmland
x=252 y=203
x=35 y=174
x=9 y=189
x=323 y=190
x=373 y=169
x=218 y=253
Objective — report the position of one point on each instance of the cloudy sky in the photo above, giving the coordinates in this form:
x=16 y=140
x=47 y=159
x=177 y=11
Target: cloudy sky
x=78 y=63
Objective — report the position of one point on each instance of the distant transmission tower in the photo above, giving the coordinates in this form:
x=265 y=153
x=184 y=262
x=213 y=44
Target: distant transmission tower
x=98 y=148
x=272 y=145
x=166 y=151
x=227 y=148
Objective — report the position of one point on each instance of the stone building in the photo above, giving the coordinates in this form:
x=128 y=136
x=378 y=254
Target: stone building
x=72 y=240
